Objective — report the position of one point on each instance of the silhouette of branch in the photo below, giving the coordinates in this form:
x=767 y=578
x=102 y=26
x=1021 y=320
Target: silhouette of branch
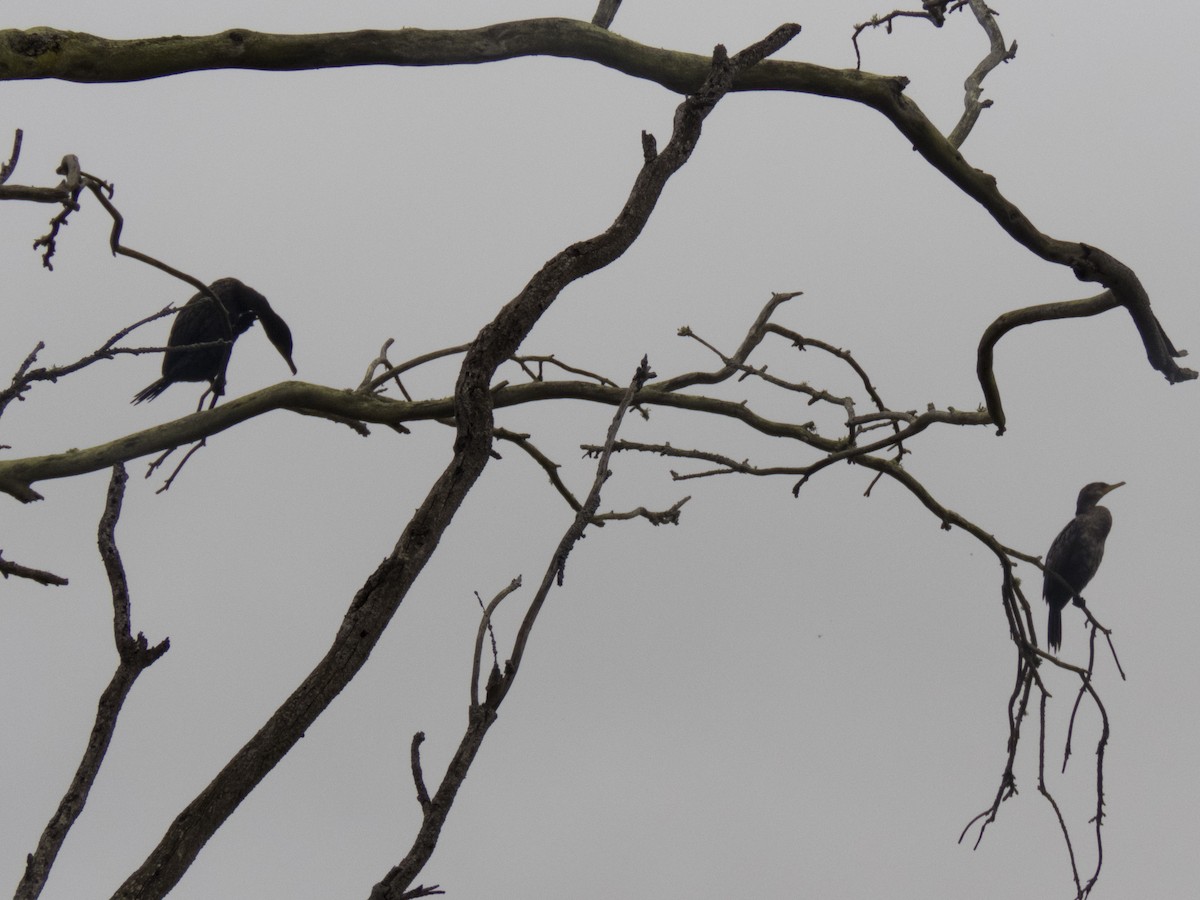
x=555 y=573
x=1028 y=657
x=747 y=371
x=421 y=891
x=727 y=464
x=381 y=595
x=49 y=579
x=87 y=58
x=548 y=465
x=481 y=714
x=372 y=383
x=62 y=193
x=525 y=362
x=360 y=407
x=932 y=10
x=485 y=628
x=69 y=190
x=665 y=517
x=1018 y=704
x=1045 y=792
x=418 y=776
x=25 y=377
x=135 y=656
x=1065 y=309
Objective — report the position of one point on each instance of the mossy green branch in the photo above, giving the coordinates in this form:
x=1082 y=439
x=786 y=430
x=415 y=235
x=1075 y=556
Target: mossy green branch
x=18 y=475
x=76 y=56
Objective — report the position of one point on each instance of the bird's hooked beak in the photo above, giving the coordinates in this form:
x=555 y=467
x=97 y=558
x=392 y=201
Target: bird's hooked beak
x=1112 y=487
x=277 y=333
x=273 y=325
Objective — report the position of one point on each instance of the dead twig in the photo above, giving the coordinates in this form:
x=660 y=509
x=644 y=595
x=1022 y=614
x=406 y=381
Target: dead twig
x=931 y=10
x=16 y=570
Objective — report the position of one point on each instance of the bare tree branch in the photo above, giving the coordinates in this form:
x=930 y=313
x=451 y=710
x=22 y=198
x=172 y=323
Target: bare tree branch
x=1066 y=309
x=542 y=361
x=481 y=715
x=373 y=383
x=375 y=604
x=664 y=517
x=8 y=568
x=485 y=628
x=418 y=775
x=973 y=86
x=932 y=10
x=135 y=656
x=24 y=54
x=548 y=465
x=25 y=377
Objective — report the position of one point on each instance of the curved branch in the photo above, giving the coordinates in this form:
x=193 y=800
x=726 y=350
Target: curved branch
x=973 y=86
x=6 y=169
x=1066 y=309
x=75 y=56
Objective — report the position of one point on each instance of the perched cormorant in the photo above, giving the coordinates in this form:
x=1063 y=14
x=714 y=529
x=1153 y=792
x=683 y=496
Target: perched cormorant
x=200 y=322
x=1075 y=555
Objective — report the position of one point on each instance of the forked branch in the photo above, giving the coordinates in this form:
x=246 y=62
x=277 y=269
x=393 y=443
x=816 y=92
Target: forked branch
x=135 y=655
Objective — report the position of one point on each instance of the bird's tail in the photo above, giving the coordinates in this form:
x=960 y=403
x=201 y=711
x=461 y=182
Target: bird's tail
x=1054 y=628
x=151 y=391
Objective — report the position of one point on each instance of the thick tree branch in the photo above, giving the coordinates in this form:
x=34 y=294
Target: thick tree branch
x=74 y=56
x=379 y=598
x=17 y=476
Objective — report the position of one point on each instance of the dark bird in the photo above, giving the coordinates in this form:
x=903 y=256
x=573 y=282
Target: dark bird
x=1075 y=555
x=202 y=322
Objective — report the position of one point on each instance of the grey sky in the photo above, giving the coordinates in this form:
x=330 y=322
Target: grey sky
x=779 y=697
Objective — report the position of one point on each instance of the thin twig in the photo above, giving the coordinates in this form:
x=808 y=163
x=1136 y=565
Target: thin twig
x=373 y=383
x=485 y=627
x=1045 y=792
x=25 y=377
x=548 y=465
x=933 y=10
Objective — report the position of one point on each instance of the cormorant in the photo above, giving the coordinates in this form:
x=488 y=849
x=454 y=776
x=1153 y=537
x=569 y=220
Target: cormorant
x=1075 y=555
x=200 y=322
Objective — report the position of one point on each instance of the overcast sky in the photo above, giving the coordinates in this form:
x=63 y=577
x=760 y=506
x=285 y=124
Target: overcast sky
x=777 y=698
